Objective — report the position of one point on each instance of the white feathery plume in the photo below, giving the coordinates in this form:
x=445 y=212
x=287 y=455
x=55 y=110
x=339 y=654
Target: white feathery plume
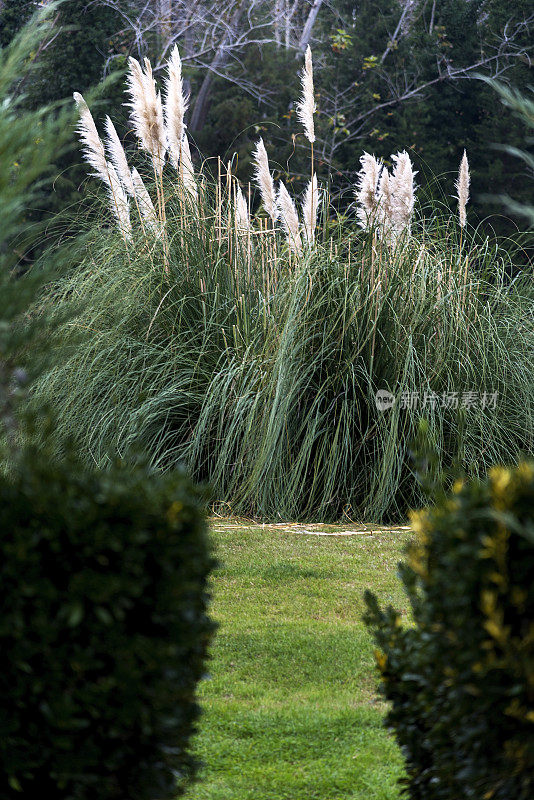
x=306 y=106
x=367 y=190
x=403 y=192
x=310 y=206
x=93 y=148
x=264 y=180
x=462 y=188
x=290 y=218
x=241 y=211
x=147 y=111
x=95 y=155
x=118 y=157
x=385 y=206
x=187 y=170
x=175 y=106
x=155 y=116
x=119 y=202
x=144 y=201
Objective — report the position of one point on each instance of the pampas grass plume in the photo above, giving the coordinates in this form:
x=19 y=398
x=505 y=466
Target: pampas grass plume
x=264 y=180
x=187 y=170
x=402 y=191
x=119 y=203
x=309 y=209
x=366 y=190
x=306 y=106
x=146 y=111
x=118 y=157
x=290 y=218
x=462 y=188
x=241 y=211
x=385 y=205
x=175 y=106
x=146 y=206
x=96 y=156
x=93 y=148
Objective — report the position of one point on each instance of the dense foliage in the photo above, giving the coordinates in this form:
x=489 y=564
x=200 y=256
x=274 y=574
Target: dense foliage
x=30 y=141
x=461 y=679
x=14 y=14
x=71 y=53
x=104 y=619
x=364 y=78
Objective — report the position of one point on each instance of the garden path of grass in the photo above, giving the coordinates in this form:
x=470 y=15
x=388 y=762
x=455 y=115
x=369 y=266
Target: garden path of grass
x=290 y=706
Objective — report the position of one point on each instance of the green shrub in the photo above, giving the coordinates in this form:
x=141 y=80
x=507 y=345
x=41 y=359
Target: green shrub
x=104 y=618
x=461 y=680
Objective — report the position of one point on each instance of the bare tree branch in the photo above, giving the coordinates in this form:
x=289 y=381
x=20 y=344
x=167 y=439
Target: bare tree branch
x=505 y=54
x=310 y=22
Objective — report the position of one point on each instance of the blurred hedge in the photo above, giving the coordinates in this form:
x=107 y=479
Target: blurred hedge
x=103 y=630
x=461 y=680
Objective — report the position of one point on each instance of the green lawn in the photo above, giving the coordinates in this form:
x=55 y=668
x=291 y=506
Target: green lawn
x=290 y=708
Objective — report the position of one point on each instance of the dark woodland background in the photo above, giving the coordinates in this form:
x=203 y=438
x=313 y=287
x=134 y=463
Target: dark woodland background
x=389 y=75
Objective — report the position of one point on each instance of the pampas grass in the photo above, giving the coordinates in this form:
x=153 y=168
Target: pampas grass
x=187 y=171
x=93 y=148
x=241 y=212
x=118 y=157
x=264 y=181
x=259 y=371
x=120 y=204
x=403 y=193
x=306 y=106
x=146 y=112
x=164 y=131
x=462 y=189
x=96 y=156
x=366 y=192
x=290 y=219
x=386 y=200
x=144 y=201
x=385 y=206
x=175 y=107
x=255 y=360
x=310 y=206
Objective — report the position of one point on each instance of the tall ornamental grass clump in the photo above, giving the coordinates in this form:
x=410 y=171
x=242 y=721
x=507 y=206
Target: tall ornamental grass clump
x=251 y=346
x=461 y=679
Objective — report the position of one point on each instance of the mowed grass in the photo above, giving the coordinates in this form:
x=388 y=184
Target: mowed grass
x=290 y=708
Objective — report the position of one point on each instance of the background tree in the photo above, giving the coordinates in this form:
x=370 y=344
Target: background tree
x=399 y=77
x=72 y=56
x=13 y=16
x=390 y=74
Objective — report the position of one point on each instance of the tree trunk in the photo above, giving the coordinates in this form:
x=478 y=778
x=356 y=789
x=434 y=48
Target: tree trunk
x=200 y=109
x=432 y=16
x=308 y=27
x=278 y=14
x=164 y=11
